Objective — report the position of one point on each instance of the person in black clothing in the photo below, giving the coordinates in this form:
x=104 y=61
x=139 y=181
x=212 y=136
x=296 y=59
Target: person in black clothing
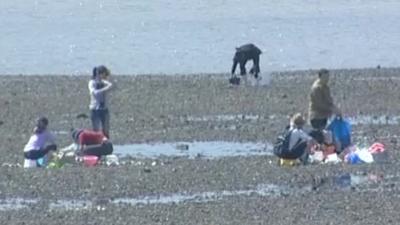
x=243 y=54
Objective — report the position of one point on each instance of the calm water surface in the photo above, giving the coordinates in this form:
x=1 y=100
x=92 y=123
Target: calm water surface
x=192 y=36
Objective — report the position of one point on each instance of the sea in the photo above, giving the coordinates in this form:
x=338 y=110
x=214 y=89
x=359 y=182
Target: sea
x=70 y=37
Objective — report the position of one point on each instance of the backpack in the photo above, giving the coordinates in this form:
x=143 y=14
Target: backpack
x=341 y=130
x=282 y=143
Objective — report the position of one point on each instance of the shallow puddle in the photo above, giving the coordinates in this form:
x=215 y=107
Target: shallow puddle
x=343 y=182
x=222 y=118
x=348 y=180
x=16 y=203
x=212 y=149
x=174 y=198
x=383 y=78
x=355 y=120
x=374 y=120
x=261 y=190
x=70 y=205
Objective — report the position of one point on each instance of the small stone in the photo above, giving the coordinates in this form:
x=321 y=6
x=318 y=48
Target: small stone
x=82 y=116
x=147 y=170
x=154 y=163
x=183 y=147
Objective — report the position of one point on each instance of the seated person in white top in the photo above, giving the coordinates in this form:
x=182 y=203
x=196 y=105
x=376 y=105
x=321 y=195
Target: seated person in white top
x=40 y=144
x=297 y=142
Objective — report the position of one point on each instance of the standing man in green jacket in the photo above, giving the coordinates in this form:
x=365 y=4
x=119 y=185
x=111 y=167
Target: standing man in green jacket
x=321 y=102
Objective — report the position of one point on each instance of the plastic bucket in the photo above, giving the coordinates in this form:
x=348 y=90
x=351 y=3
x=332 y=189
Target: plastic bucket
x=264 y=79
x=112 y=160
x=90 y=160
x=42 y=162
x=287 y=162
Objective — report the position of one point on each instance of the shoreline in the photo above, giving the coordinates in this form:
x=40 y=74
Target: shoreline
x=217 y=74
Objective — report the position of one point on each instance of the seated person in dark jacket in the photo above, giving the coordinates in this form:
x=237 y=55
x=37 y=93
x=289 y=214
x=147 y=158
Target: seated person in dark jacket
x=297 y=142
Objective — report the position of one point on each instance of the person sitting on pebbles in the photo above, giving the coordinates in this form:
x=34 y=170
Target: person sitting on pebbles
x=39 y=145
x=296 y=143
x=89 y=142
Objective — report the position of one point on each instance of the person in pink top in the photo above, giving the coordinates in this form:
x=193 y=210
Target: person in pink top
x=40 y=144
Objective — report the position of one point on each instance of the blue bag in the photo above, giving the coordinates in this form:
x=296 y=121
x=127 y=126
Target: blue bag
x=341 y=129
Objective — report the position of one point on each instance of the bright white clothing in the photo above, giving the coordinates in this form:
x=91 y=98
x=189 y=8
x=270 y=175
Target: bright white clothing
x=70 y=148
x=98 y=96
x=298 y=136
x=37 y=142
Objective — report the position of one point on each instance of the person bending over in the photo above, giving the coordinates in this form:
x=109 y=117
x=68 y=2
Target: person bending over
x=88 y=142
x=243 y=54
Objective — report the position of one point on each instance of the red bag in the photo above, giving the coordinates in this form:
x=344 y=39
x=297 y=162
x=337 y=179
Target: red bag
x=376 y=148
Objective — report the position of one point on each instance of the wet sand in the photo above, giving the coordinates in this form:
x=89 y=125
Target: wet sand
x=147 y=109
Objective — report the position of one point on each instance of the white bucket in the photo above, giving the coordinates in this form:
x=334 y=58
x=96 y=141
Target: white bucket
x=264 y=79
x=112 y=160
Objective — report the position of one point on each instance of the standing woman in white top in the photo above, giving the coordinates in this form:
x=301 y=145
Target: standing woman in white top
x=98 y=88
x=39 y=145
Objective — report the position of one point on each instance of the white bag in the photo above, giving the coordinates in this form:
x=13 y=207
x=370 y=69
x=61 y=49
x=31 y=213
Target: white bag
x=332 y=158
x=317 y=157
x=365 y=156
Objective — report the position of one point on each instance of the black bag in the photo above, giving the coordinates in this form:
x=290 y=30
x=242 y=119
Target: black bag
x=317 y=135
x=281 y=145
x=234 y=80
